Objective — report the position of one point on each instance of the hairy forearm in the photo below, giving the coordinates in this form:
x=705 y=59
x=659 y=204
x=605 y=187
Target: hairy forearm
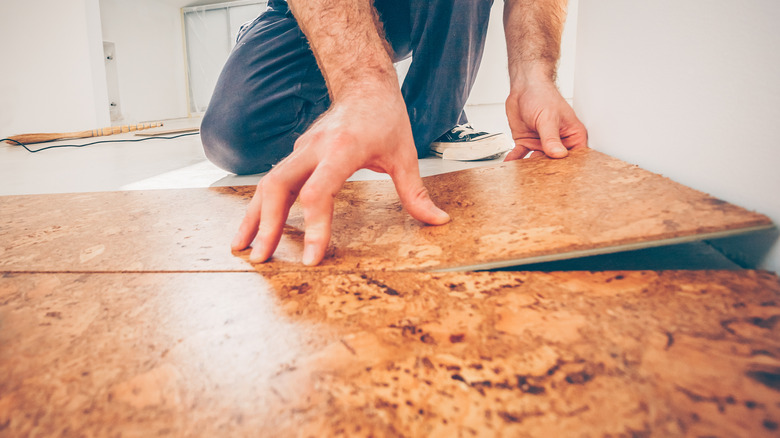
x=533 y=31
x=347 y=39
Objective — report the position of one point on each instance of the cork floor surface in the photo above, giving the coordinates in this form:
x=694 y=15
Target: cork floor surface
x=642 y=353
x=516 y=213
x=124 y=314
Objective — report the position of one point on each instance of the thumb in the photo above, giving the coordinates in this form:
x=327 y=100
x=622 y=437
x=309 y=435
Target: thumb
x=550 y=136
x=518 y=153
x=414 y=196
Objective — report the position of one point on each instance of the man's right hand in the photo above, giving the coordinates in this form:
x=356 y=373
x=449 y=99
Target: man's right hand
x=366 y=127
x=363 y=130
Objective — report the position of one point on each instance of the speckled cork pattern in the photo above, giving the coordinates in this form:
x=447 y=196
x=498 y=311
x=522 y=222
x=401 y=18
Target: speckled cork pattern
x=390 y=354
x=515 y=213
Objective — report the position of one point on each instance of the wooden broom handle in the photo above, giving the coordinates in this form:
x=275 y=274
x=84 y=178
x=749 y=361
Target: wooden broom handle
x=44 y=137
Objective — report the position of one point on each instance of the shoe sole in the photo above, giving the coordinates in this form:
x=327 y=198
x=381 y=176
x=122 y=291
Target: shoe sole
x=484 y=148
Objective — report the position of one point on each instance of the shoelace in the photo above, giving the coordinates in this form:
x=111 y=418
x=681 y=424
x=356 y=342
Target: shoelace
x=464 y=130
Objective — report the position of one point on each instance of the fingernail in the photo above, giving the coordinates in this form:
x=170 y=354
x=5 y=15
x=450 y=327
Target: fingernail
x=442 y=216
x=308 y=255
x=255 y=255
x=559 y=149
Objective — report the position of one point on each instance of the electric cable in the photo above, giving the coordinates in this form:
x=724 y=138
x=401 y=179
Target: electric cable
x=32 y=151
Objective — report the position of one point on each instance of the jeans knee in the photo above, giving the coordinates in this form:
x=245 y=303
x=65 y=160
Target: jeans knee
x=242 y=153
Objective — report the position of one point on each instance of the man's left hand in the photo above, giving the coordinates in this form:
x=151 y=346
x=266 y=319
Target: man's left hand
x=541 y=120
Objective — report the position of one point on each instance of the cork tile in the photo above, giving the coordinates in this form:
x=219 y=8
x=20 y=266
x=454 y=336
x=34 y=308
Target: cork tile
x=154 y=230
x=520 y=212
x=694 y=353
x=517 y=213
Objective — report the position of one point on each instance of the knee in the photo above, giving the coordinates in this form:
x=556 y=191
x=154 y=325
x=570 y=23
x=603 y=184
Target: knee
x=239 y=152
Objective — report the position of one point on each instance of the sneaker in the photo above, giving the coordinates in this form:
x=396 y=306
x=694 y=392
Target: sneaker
x=464 y=143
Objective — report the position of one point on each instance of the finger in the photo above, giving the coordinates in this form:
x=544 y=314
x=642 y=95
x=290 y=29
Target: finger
x=518 y=153
x=549 y=133
x=577 y=140
x=317 y=197
x=247 y=231
x=280 y=188
x=248 y=228
x=414 y=196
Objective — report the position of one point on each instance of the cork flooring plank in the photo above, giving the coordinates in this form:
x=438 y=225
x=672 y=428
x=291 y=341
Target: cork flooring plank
x=154 y=230
x=516 y=213
x=694 y=353
x=521 y=212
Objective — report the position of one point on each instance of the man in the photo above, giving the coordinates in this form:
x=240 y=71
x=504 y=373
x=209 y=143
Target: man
x=315 y=80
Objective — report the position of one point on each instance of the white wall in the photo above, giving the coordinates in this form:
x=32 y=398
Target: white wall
x=53 y=76
x=149 y=55
x=689 y=89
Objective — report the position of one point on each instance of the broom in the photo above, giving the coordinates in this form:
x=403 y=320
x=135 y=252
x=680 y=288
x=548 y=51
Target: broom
x=44 y=137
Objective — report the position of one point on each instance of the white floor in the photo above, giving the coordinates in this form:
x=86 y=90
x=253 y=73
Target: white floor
x=164 y=164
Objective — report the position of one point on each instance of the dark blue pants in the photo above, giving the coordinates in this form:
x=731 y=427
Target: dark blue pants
x=270 y=89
